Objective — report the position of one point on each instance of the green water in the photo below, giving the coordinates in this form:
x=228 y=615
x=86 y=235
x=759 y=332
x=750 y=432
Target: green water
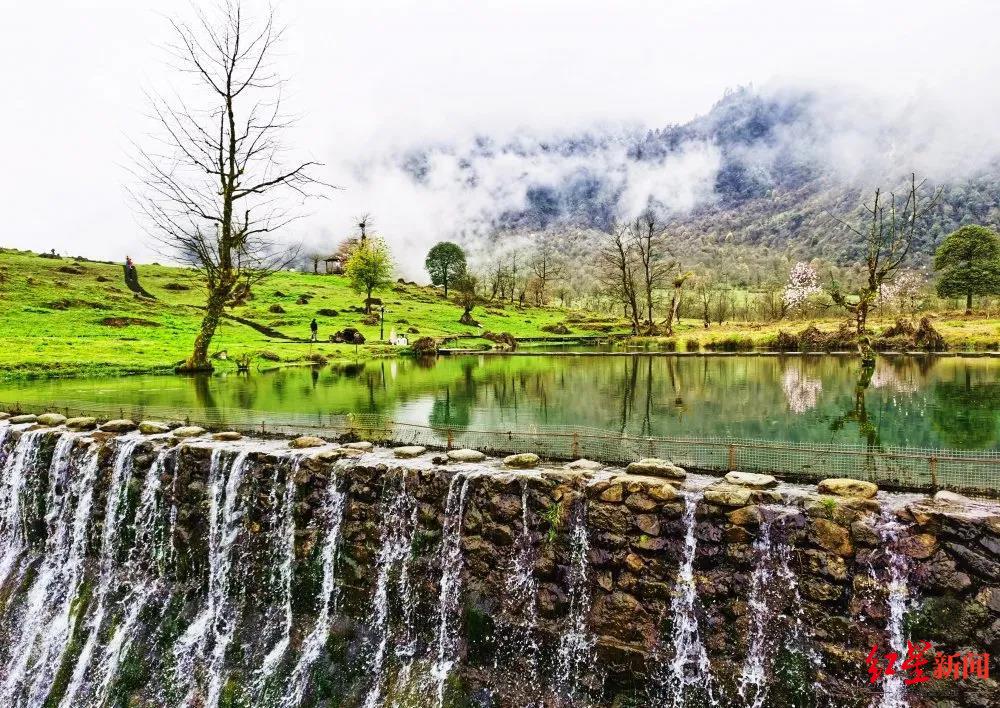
x=921 y=401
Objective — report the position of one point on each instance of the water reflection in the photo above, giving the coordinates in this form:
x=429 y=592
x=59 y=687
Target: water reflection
x=923 y=401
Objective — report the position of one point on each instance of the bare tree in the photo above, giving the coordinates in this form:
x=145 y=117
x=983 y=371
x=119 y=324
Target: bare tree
x=654 y=270
x=215 y=188
x=887 y=231
x=618 y=272
x=546 y=266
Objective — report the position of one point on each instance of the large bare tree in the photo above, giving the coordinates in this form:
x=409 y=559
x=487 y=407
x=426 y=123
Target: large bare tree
x=648 y=237
x=214 y=185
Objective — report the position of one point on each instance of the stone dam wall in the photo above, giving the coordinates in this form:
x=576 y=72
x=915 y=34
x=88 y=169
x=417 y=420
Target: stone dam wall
x=178 y=568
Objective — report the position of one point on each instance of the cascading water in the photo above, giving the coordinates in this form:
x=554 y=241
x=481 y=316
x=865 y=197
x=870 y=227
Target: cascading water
x=397 y=538
x=575 y=654
x=142 y=575
x=114 y=513
x=217 y=621
x=753 y=679
x=521 y=601
x=283 y=520
x=893 y=688
x=331 y=519
x=451 y=582
x=14 y=477
x=689 y=669
x=47 y=619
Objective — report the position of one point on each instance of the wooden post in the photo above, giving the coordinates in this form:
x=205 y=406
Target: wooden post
x=932 y=465
x=732 y=457
x=576 y=445
x=451 y=439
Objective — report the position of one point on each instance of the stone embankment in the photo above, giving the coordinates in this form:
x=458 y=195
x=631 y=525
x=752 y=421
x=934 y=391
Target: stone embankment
x=309 y=572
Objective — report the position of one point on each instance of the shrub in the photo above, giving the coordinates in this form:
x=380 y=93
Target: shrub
x=692 y=345
x=425 y=346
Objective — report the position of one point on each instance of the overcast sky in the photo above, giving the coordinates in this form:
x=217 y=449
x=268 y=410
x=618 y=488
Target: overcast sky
x=369 y=76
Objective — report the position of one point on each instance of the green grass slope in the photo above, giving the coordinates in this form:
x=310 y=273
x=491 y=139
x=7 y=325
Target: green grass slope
x=61 y=317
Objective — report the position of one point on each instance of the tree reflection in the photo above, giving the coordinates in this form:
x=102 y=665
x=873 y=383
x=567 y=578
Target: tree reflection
x=966 y=414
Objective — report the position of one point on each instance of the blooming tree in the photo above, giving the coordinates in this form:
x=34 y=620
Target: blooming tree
x=803 y=283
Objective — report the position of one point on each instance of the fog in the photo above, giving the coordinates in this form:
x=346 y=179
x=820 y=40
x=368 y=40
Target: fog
x=900 y=87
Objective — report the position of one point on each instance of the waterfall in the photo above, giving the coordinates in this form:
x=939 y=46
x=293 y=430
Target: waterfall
x=217 y=621
x=893 y=688
x=522 y=592
x=331 y=519
x=689 y=668
x=286 y=554
x=451 y=582
x=754 y=679
x=107 y=565
x=48 y=618
x=396 y=538
x=144 y=557
x=575 y=654
x=18 y=463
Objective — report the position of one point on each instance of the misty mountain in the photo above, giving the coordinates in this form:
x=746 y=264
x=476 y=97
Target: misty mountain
x=760 y=169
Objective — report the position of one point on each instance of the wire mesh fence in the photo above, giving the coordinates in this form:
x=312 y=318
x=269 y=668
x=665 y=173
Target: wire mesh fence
x=903 y=468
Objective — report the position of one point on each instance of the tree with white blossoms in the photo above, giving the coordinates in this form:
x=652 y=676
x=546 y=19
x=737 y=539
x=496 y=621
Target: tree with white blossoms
x=803 y=283
x=904 y=293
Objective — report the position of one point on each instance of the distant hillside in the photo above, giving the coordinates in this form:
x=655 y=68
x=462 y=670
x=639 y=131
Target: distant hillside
x=761 y=170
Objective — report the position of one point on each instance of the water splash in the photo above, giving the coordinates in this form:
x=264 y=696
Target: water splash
x=575 y=655
x=332 y=517
x=451 y=582
x=689 y=669
x=48 y=618
x=397 y=539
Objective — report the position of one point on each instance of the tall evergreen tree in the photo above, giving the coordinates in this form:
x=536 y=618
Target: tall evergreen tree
x=968 y=263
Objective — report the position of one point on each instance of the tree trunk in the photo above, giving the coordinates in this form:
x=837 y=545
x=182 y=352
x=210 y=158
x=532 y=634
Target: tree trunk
x=968 y=303
x=368 y=302
x=198 y=361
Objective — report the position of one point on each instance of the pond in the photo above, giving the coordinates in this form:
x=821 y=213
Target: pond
x=951 y=402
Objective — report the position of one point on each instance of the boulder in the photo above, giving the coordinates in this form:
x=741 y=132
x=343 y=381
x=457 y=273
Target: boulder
x=306 y=441
x=120 y=425
x=81 y=423
x=831 y=537
x=751 y=480
x=656 y=467
x=523 y=461
x=662 y=492
x=725 y=494
x=227 y=435
x=466 y=455
x=26 y=418
x=584 y=464
x=4 y=415
x=844 y=487
x=613 y=493
x=363 y=445
x=407 y=451
x=946 y=497
x=152 y=427
x=188 y=431
x=50 y=419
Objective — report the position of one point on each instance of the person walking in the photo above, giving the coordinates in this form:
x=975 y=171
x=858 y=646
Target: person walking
x=314 y=328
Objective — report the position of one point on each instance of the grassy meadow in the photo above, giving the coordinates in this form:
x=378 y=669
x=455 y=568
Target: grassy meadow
x=63 y=317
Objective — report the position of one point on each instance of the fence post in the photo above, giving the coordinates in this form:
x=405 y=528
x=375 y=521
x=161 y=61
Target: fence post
x=576 y=445
x=932 y=465
x=451 y=439
x=263 y=430
x=732 y=457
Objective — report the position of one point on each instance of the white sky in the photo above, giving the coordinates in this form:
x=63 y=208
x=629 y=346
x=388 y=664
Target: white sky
x=370 y=75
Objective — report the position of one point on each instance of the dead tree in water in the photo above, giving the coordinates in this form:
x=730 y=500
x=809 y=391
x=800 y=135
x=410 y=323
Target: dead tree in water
x=214 y=189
